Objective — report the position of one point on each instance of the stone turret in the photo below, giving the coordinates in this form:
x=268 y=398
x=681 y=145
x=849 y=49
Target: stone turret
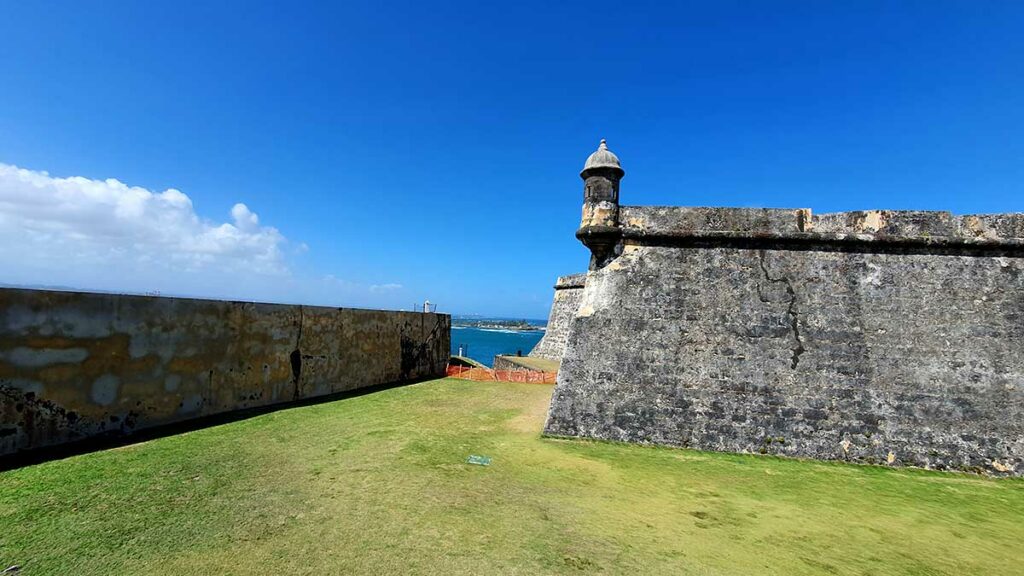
x=599 y=228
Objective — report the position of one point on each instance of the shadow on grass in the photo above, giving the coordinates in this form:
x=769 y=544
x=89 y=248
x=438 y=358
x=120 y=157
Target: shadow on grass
x=117 y=438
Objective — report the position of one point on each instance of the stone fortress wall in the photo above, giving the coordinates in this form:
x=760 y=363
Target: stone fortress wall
x=77 y=365
x=568 y=292
x=880 y=336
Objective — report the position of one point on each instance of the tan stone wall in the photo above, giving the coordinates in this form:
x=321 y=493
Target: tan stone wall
x=74 y=365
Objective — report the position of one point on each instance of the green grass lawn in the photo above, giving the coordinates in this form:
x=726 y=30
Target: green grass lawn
x=378 y=484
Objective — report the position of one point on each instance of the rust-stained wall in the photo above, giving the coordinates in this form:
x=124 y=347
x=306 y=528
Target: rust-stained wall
x=75 y=365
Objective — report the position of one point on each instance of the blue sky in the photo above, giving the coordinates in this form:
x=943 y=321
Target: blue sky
x=401 y=151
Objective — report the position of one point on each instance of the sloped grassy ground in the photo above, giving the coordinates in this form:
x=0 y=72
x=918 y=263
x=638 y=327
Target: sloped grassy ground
x=378 y=484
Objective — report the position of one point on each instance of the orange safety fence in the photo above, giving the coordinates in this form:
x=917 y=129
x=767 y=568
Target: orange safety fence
x=488 y=375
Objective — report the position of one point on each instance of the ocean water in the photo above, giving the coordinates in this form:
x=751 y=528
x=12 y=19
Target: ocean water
x=483 y=344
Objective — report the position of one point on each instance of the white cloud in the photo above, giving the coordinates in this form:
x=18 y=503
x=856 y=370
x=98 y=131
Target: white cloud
x=106 y=234
x=244 y=218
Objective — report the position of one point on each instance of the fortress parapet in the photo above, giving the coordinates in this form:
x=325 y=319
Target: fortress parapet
x=795 y=227
x=568 y=291
x=879 y=336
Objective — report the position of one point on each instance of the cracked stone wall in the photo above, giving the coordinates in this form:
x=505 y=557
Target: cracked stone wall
x=880 y=337
x=75 y=365
x=568 y=291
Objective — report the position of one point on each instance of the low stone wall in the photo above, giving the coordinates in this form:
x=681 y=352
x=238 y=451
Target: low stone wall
x=568 y=291
x=504 y=363
x=882 y=337
x=76 y=365
x=525 y=364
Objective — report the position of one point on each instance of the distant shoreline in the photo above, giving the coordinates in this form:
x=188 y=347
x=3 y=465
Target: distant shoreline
x=500 y=325
x=502 y=329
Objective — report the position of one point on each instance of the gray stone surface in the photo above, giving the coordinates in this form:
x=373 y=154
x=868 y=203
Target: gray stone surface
x=661 y=224
x=679 y=221
x=879 y=336
x=568 y=291
x=75 y=365
x=602 y=158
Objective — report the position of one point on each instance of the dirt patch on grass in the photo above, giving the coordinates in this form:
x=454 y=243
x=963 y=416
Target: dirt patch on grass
x=531 y=419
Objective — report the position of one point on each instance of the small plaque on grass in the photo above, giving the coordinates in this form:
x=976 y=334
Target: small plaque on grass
x=479 y=460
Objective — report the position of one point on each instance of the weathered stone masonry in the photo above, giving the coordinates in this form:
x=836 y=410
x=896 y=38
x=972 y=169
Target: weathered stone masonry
x=76 y=365
x=883 y=337
x=568 y=292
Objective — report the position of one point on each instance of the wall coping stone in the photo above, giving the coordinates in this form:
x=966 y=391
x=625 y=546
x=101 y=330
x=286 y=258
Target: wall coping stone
x=571 y=281
x=661 y=224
